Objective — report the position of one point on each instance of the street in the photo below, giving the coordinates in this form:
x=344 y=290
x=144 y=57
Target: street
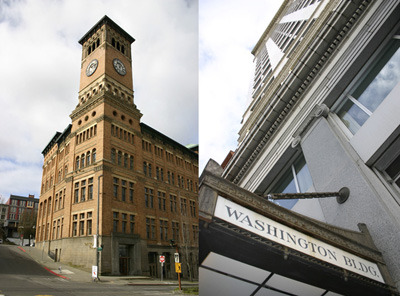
x=20 y=275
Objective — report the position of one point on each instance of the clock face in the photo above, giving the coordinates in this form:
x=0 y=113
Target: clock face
x=91 y=68
x=119 y=67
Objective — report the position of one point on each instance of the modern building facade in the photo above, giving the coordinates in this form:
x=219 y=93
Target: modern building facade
x=16 y=210
x=113 y=188
x=323 y=116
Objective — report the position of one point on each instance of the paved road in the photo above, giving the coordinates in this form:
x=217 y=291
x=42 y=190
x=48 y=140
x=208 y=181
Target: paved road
x=22 y=276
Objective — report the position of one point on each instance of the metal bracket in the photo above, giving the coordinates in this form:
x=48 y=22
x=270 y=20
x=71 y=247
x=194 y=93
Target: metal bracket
x=341 y=196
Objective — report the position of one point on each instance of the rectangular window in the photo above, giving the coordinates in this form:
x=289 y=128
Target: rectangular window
x=81 y=228
x=132 y=223
x=172 y=200
x=131 y=191
x=195 y=233
x=90 y=189
x=192 y=208
x=183 y=206
x=163 y=230
x=161 y=200
x=89 y=227
x=148 y=197
x=115 y=187
x=150 y=228
x=76 y=192
x=115 y=221
x=175 y=231
x=74 y=228
x=83 y=190
x=372 y=89
x=123 y=190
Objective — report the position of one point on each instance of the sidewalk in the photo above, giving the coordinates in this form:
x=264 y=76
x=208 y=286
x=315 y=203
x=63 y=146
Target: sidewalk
x=70 y=273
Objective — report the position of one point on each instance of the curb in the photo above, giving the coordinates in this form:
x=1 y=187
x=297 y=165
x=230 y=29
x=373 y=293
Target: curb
x=59 y=275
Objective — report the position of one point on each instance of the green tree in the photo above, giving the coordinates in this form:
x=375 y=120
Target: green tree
x=27 y=223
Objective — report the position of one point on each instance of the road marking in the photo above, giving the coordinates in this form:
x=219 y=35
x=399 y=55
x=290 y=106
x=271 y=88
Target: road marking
x=21 y=249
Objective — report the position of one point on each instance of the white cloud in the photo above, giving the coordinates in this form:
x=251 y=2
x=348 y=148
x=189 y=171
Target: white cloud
x=40 y=68
x=228 y=32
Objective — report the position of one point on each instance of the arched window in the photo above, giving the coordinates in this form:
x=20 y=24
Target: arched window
x=126 y=160
x=131 y=163
x=65 y=170
x=77 y=163
x=98 y=42
x=149 y=170
x=145 y=168
x=118 y=45
x=113 y=152
x=94 y=155
x=83 y=161
x=122 y=49
x=113 y=42
x=119 y=157
x=88 y=158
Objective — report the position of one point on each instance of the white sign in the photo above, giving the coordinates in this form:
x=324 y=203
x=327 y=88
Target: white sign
x=94 y=271
x=176 y=255
x=162 y=258
x=281 y=234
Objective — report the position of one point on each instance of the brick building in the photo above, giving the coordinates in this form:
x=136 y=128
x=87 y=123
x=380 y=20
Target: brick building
x=110 y=176
x=13 y=212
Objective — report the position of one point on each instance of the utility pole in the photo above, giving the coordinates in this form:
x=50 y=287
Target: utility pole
x=173 y=244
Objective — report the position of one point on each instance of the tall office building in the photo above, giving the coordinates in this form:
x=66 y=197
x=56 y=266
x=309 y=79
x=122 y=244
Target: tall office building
x=322 y=122
x=113 y=188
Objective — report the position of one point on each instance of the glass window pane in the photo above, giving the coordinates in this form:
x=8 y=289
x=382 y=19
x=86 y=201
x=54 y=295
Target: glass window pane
x=382 y=78
x=352 y=116
x=373 y=89
x=286 y=185
x=303 y=175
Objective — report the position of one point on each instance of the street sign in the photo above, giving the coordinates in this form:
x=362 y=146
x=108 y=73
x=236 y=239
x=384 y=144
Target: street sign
x=176 y=255
x=178 y=268
x=162 y=258
x=94 y=271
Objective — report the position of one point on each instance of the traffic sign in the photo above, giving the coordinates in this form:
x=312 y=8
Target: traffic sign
x=176 y=255
x=94 y=271
x=162 y=258
x=178 y=268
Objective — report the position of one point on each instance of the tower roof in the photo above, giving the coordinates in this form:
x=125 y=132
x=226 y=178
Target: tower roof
x=111 y=23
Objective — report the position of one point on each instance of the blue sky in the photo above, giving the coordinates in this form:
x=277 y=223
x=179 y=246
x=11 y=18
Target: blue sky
x=40 y=68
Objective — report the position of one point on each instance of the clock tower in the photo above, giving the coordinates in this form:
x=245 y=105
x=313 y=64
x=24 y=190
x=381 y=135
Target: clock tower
x=112 y=185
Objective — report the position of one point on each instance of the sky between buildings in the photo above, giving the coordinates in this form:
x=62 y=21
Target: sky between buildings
x=228 y=32
x=192 y=66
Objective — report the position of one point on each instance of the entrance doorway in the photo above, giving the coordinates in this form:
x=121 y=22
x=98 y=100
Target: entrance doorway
x=152 y=256
x=124 y=259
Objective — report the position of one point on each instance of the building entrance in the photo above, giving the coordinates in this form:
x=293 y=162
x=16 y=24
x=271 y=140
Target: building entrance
x=124 y=259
